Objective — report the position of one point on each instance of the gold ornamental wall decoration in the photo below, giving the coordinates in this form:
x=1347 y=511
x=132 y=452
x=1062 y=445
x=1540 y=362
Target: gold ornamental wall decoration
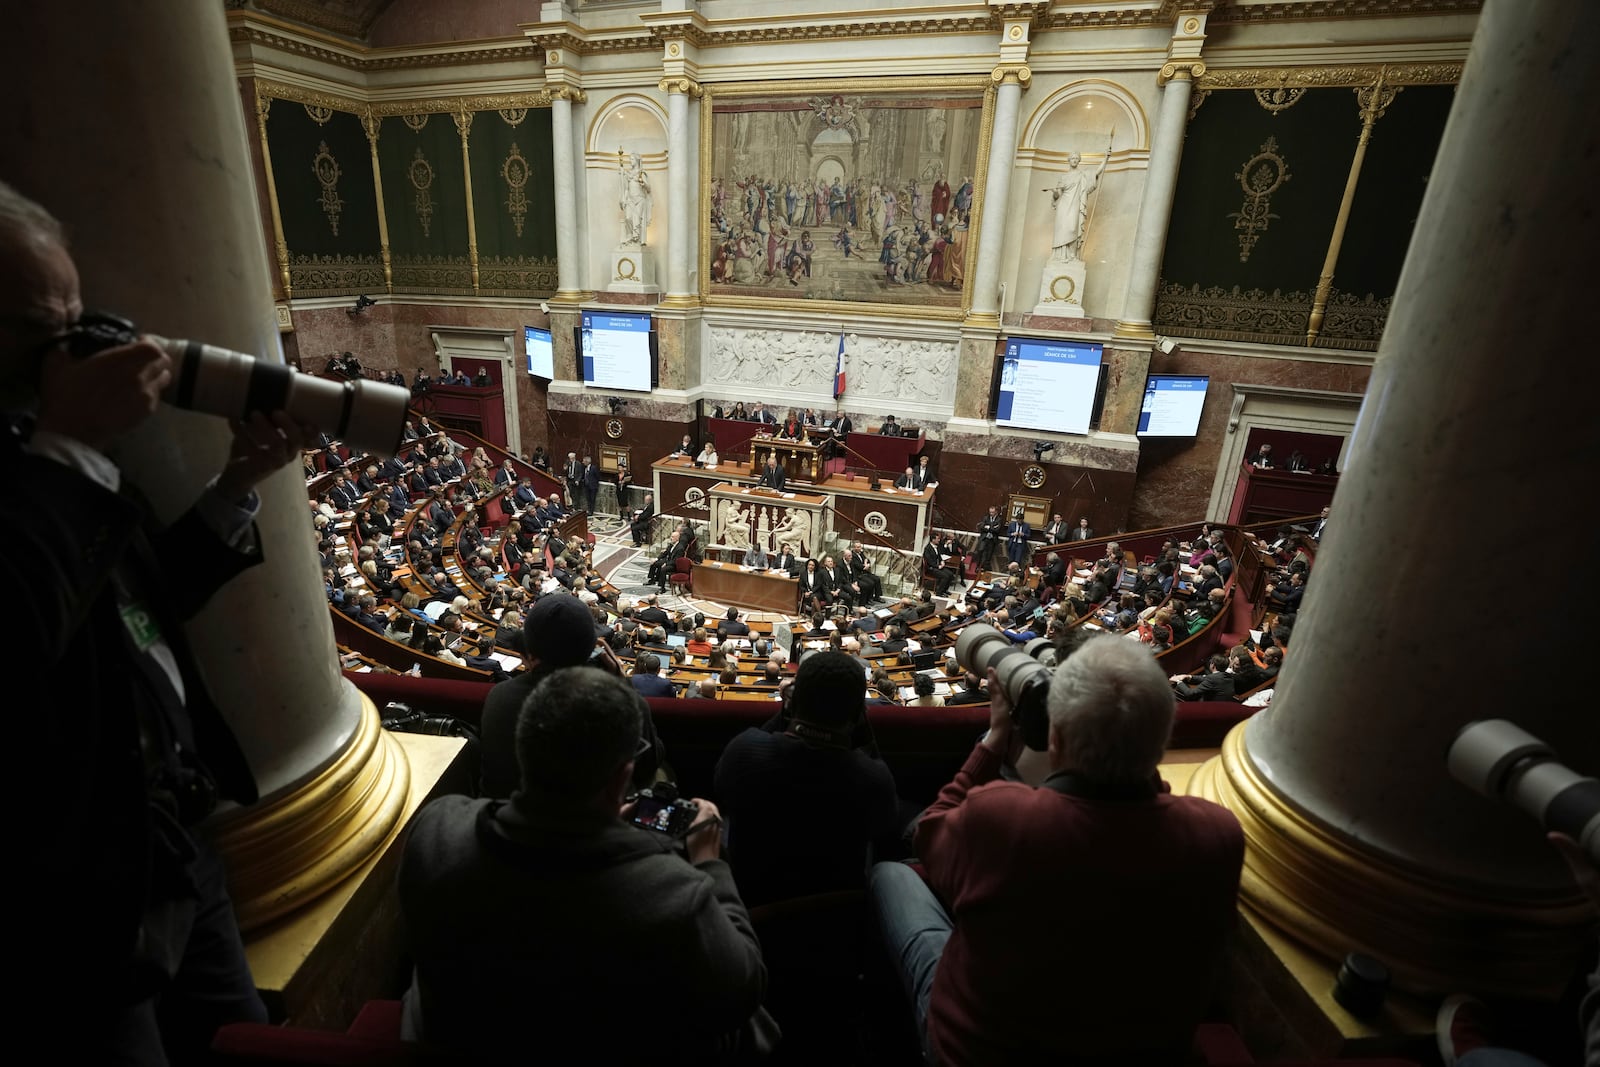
x=513 y=115
x=1278 y=98
x=421 y=174
x=326 y=168
x=319 y=114
x=1262 y=175
x=415 y=122
x=515 y=172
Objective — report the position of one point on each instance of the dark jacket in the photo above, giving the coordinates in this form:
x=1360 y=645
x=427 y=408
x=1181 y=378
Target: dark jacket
x=519 y=926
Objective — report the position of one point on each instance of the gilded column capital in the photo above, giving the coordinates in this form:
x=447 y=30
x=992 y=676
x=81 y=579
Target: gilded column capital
x=1011 y=74
x=1184 y=70
x=570 y=93
x=681 y=85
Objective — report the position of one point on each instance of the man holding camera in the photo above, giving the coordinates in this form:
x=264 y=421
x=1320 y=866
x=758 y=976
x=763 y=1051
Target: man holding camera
x=1077 y=921
x=552 y=916
x=142 y=949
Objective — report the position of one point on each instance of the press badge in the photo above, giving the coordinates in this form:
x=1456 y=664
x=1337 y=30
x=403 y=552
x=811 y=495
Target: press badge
x=141 y=626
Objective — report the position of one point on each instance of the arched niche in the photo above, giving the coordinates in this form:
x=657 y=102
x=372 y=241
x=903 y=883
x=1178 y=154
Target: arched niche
x=1078 y=116
x=631 y=122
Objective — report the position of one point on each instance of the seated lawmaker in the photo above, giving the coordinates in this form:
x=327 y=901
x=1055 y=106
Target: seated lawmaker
x=1101 y=871
x=707 y=456
x=890 y=427
x=552 y=914
x=806 y=793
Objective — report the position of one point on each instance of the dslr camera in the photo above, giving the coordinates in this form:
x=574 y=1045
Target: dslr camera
x=659 y=808
x=1024 y=675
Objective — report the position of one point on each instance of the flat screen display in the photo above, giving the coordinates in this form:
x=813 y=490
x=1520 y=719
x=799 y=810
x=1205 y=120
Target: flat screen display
x=1172 y=405
x=614 y=349
x=1048 y=384
x=541 y=355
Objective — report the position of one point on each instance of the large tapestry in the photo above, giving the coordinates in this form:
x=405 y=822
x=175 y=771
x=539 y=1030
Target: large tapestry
x=855 y=194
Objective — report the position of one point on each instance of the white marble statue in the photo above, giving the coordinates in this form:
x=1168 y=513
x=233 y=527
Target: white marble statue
x=1071 y=199
x=735 y=525
x=634 y=199
x=795 y=529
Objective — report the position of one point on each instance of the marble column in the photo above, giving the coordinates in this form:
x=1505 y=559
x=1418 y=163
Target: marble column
x=569 y=284
x=985 y=307
x=681 y=155
x=143 y=156
x=1155 y=207
x=1359 y=839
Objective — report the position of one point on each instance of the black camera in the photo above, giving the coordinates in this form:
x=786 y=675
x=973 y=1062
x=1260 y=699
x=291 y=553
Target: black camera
x=367 y=415
x=659 y=808
x=1024 y=675
x=1504 y=762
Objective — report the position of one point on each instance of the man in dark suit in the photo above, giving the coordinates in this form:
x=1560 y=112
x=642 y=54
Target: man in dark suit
x=524 y=495
x=652 y=614
x=772 y=476
x=1082 y=531
x=733 y=626
x=646 y=680
x=573 y=473
x=846 y=589
x=506 y=475
x=344 y=494
x=1017 y=539
x=786 y=561
x=989 y=529
x=1057 y=530
x=639 y=522
x=1214 y=683
x=861 y=571
x=590 y=477
x=933 y=564
x=922 y=475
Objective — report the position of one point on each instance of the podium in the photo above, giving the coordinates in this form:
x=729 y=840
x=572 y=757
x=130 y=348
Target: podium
x=801 y=460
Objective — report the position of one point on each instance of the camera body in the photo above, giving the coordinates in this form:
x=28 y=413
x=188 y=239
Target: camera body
x=659 y=808
x=1024 y=675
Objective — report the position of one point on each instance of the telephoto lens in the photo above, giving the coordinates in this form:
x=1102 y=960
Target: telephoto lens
x=1504 y=762
x=1024 y=679
x=368 y=416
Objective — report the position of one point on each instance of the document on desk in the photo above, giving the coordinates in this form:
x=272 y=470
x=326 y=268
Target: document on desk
x=788 y=496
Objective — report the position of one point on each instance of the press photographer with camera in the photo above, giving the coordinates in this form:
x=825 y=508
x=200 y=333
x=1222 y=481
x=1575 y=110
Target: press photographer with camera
x=806 y=793
x=1080 y=921
x=555 y=914
x=143 y=949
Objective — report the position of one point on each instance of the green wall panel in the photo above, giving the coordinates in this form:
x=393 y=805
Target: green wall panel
x=323 y=175
x=425 y=203
x=513 y=197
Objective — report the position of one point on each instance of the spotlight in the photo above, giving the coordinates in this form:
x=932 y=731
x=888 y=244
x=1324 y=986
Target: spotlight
x=363 y=302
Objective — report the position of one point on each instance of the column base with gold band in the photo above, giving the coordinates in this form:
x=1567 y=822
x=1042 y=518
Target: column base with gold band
x=1336 y=895
x=282 y=854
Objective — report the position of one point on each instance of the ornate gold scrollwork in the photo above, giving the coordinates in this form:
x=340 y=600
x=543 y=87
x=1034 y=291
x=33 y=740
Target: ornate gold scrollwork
x=319 y=115
x=421 y=174
x=513 y=115
x=1278 y=98
x=570 y=93
x=515 y=171
x=326 y=168
x=415 y=122
x=1262 y=175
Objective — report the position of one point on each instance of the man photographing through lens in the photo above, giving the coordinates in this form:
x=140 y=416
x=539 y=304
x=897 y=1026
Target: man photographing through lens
x=140 y=952
x=1079 y=921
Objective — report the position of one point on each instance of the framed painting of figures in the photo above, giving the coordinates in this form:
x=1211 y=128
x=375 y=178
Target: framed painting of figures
x=849 y=192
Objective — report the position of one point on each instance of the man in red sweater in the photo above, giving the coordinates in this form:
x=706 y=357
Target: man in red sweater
x=1079 y=922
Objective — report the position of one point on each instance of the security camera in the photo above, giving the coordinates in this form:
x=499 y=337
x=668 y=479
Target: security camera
x=1166 y=344
x=363 y=302
x=1041 y=447
x=544 y=306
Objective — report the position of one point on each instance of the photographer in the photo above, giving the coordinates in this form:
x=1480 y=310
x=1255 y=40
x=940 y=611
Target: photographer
x=142 y=947
x=1037 y=933
x=551 y=918
x=806 y=794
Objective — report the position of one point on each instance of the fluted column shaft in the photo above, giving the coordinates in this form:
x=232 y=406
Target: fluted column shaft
x=680 y=190
x=1155 y=206
x=568 y=282
x=996 y=196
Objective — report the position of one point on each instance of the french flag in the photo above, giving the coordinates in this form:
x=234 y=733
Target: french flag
x=838 y=370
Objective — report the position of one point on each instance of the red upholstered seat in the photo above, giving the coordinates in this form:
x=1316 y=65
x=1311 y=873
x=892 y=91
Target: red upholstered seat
x=682 y=574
